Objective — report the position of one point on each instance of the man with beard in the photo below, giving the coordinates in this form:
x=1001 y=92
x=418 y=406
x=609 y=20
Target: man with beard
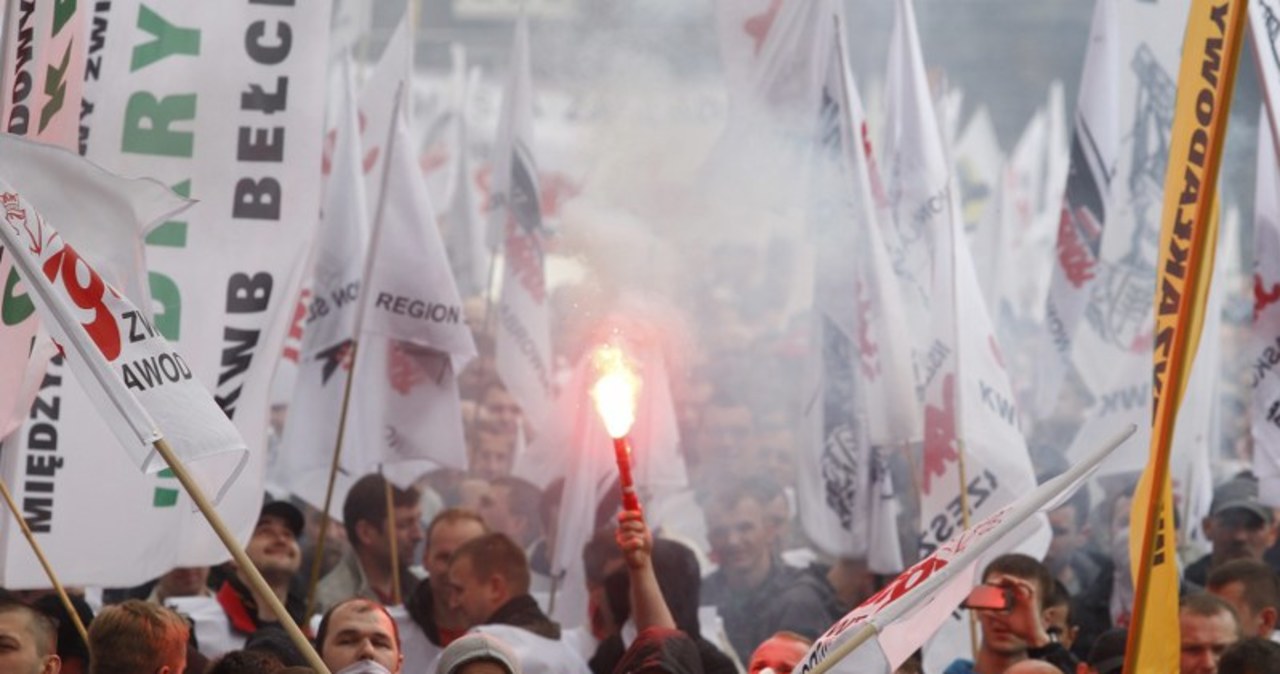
x=1239 y=525
x=365 y=569
x=1016 y=632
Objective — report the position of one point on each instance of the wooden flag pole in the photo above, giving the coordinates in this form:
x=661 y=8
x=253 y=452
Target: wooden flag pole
x=394 y=545
x=256 y=582
x=44 y=561
x=318 y=560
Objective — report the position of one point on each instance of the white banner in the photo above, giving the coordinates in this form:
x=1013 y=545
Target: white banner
x=1264 y=343
x=44 y=63
x=523 y=339
x=228 y=103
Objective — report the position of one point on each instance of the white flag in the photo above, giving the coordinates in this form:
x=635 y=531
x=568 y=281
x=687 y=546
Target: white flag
x=523 y=340
x=970 y=415
x=1264 y=343
x=144 y=389
x=223 y=101
x=324 y=361
x=906 y=613
x=413 y=336
x=44 y=63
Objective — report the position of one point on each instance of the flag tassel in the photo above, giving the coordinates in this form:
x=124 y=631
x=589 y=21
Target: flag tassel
x=44 y=561
x=243 y=563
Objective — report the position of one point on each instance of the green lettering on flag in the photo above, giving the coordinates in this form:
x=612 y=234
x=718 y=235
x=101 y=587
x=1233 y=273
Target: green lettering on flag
x=169 y=40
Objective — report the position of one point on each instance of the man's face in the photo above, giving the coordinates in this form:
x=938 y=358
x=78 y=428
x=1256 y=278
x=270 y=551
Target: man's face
x=408 y=521
x=1067 y=537
x=446 y=537
x=183 y=582
x=725 y=431
x=1239 y=534
x=1250 y=623
x=474 y=598
x=495 y=508
x=492 y=455
x=997 y=633
x=1204 y=638
x=19 y=653
x=780 y=655
x=273 y=548
x=739 y=537
x=499 y=412
x=358 y=632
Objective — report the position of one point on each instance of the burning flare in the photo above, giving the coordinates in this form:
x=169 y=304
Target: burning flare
x=616 y=391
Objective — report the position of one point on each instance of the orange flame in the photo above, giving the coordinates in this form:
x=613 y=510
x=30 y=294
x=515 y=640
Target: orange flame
x=616 y=391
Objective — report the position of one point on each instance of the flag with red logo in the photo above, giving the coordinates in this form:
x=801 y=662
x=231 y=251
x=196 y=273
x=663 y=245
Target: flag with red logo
x=971 y=421
x=1264 y=345
x=143 y=388
x=329 y=326
x=863 y=402
x=523 y=337
x=414 y=339
x=882 y=632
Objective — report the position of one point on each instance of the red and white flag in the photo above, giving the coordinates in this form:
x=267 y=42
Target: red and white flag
x=405 y=406
x=1095 y=146
x=143 y=388
x=863 y=401
x=107 y=219
x=911 y=608
x=1264 y=343
x=523 y=339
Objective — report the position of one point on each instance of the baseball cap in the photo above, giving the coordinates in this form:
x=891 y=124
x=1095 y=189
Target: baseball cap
x=1240 y=492
x=476 y=646
x=284 y=510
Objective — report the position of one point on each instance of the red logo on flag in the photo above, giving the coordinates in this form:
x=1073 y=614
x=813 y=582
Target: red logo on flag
x=940 y=435
x=1076 y=260
x=868 y=350
x=758 y=26
x=1262 y=297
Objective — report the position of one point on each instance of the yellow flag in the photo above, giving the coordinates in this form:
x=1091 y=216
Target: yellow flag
x=1188 y=235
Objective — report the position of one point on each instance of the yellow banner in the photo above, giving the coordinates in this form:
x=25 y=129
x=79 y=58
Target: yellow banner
x=1188 y=235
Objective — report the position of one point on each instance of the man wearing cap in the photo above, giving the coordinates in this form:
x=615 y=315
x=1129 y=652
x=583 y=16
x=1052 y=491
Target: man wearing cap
x=1239 y=525
x=273 y=549
x=478 y=653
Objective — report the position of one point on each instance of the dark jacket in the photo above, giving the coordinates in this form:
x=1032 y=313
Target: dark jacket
x=788 y=599
x=660 y=651
x=242 y=611
x=523 y=612
x=419 y=605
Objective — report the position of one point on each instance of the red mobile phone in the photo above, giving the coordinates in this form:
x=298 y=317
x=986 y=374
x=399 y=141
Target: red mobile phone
x=989 y=598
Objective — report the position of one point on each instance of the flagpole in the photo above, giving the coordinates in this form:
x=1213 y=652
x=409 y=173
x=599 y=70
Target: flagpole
x=1186 y=318
x=351 y=371
x=318 y=560
x=44 y=561
x=245 y=565
x=391 y=537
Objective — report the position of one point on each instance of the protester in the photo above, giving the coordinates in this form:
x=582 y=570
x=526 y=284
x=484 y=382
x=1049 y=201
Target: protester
x=135 y=636
x=1057 y=616
x=246 y=662
x=273 y=549
x=191 y=581
x=72 y=649
x=1208 y=626
x=28 y=639
x=365 y=570
x=1253 y=590
x=660 y=650
x=1239 y=526
x=1069 y=558
x=675 y=569
x=754 y=592
x=1017 y=632
x=478 y=653
x=1254 y=655
x=490 y=454
x=1107 y=654
x=429 y=604
x=511 y=507
x=489 y=584
x=779 y=654
x=356 y=630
